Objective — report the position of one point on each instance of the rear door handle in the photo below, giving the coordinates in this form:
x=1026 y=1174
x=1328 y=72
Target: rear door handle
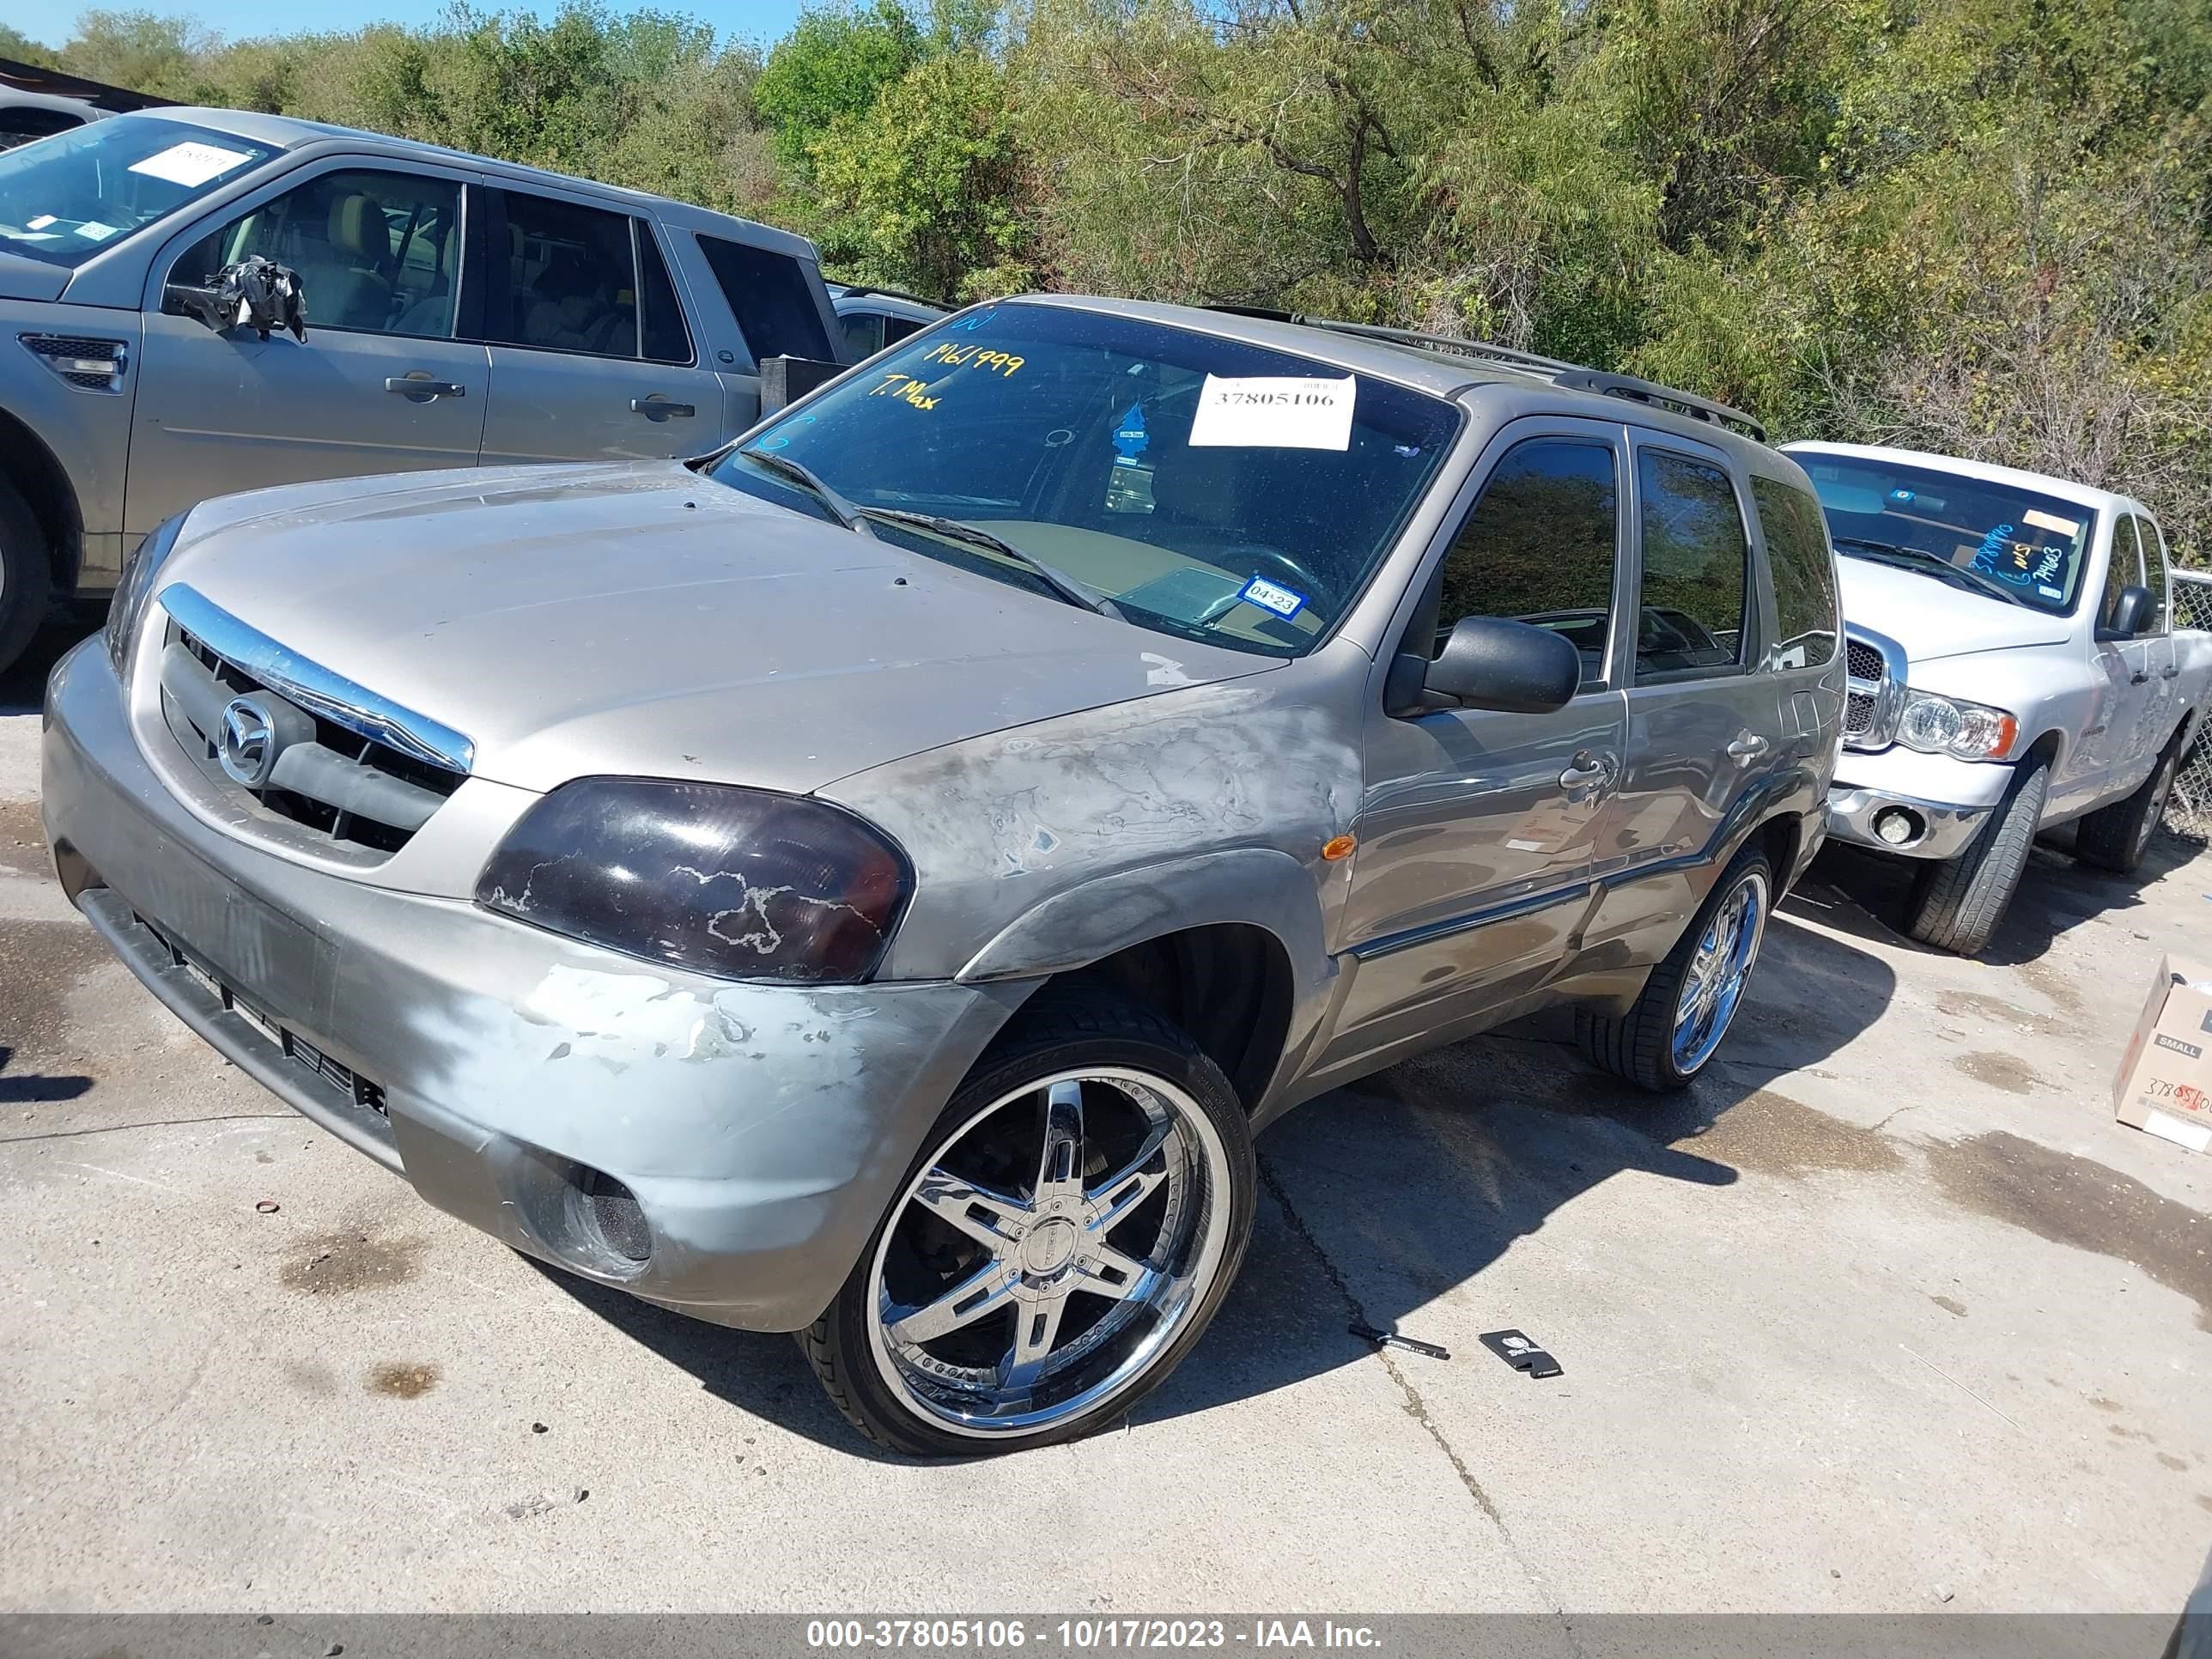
x=660 y=408
x=2138 y=678
x=1748 y=747
x=425 y=390
x=2173 y=673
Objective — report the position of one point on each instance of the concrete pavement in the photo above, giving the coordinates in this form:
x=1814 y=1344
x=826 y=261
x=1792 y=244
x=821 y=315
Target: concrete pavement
x=1888 y=1311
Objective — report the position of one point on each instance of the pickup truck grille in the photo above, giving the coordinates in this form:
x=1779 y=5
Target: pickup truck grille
x=1870 y=695
x=318 y=765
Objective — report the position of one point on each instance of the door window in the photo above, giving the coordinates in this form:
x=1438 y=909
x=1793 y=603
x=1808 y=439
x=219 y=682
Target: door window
x=1803 y=570
x=376 y=252
x=2153 y=559
x=571 y=280
x=662 y=333
x=1540 y=547
x=864 y=334
x=770 y=296
x=1691 y=611
x=2125 y=571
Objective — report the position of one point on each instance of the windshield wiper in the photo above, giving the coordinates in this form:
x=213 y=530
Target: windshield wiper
x=849 y=516
x=1936 y=565
x=955 y=530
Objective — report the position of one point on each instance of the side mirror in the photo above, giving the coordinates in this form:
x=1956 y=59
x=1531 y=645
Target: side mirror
x=1513 y=666
x=251 y=293
x=2134 y=614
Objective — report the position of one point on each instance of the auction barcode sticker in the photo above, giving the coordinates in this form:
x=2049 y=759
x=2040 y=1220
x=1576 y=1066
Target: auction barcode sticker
x=1273 y=412
x=191 y=163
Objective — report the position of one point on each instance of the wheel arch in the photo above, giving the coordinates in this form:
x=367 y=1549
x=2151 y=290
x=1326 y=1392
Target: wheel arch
x=30 y=465
x=1228 y=946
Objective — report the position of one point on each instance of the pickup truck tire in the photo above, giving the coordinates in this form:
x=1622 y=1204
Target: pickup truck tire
x=977 y=1226
x=1644 y=1045
x=25 y=575
x=2116 y=837
x=1956 y=905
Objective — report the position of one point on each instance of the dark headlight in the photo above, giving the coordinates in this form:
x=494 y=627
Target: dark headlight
x=736 y=882
x=130 y=601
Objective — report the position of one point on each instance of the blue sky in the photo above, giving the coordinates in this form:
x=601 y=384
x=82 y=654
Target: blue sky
x=51 y=21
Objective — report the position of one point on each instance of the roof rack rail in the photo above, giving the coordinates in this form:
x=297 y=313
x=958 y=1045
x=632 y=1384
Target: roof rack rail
x=1665 y=396
x=1572 y=376
x=1403 y=337
x=861 y=290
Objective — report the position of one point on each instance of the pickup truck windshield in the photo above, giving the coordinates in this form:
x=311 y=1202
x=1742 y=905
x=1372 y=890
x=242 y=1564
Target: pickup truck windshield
x=2004 y=542
x=1202 y=487
x=64 y=198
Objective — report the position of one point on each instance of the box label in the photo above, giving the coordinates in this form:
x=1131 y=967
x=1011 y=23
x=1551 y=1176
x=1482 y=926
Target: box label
x=2176 y=1045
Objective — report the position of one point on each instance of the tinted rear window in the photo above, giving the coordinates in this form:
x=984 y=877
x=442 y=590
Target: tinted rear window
x=769 y=296
x=1803 y=568
x=666 y=340
x=1695 y=562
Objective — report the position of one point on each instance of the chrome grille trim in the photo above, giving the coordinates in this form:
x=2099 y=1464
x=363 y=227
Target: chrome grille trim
x=320 y=691
x=1873 y=693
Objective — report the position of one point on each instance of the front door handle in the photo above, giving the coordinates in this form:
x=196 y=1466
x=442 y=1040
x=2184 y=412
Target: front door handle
x=1749 y=746
x=658 y=408
x=1587 y=770
x=2171 y=672
x=423 y=388
x=2138 y=678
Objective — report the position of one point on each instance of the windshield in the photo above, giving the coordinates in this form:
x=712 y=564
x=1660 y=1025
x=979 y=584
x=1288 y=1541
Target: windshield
x=64 y=198
x=1206 y=489
x=2011 y=544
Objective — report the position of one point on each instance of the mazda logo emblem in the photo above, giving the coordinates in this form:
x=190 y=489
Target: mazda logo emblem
x=247 y=745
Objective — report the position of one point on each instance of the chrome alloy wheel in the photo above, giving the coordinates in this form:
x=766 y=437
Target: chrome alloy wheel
x=1715 y=983
x=1048 y=1253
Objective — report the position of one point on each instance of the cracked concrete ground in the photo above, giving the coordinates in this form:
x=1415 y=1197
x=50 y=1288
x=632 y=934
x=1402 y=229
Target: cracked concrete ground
x=1887 y=1311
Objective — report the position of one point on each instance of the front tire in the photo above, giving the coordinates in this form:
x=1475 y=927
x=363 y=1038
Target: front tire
x=2117 y=836
x=1071 y=1225
x=1687 y=1006
x=26 y=578
x=1956 y=904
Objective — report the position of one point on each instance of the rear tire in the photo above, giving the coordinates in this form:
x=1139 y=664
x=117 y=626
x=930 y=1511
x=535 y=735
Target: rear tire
x=1956 y=904
x=1646 y=1046
x=25 y=575
x=990 y=1311
x=2117 y=836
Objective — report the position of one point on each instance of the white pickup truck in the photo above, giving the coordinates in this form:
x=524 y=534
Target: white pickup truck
x=2012 y=667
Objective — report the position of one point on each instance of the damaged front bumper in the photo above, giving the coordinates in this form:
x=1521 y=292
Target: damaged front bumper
x=724 y=1149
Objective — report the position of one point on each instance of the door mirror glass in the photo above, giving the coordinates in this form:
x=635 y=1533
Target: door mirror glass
x=2132 y=613
x=1490 y=662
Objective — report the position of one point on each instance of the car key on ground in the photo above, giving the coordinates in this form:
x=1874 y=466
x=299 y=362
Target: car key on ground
x=873 y=881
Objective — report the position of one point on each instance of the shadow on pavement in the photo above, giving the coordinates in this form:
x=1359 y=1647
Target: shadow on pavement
x=36 y=1088
x=23 y=686
x=1427 y=1172
x=1864 y=894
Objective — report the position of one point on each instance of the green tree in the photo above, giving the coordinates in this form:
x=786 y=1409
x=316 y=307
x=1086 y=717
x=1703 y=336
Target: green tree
x=925 y=189
x=833 y=63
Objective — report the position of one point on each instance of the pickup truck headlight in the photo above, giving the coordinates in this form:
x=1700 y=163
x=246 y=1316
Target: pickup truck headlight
x=129 y=604
x=1951 y=726
x=736 y=882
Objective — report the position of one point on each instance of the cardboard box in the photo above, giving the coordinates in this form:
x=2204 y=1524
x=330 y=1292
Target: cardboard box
x=2164 y=1084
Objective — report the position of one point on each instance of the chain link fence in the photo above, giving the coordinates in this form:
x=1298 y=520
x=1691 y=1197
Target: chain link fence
x=2189 y=810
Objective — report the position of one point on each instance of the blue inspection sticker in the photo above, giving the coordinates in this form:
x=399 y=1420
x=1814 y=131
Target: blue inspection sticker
x=1901 y=496
x=1285 y=602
